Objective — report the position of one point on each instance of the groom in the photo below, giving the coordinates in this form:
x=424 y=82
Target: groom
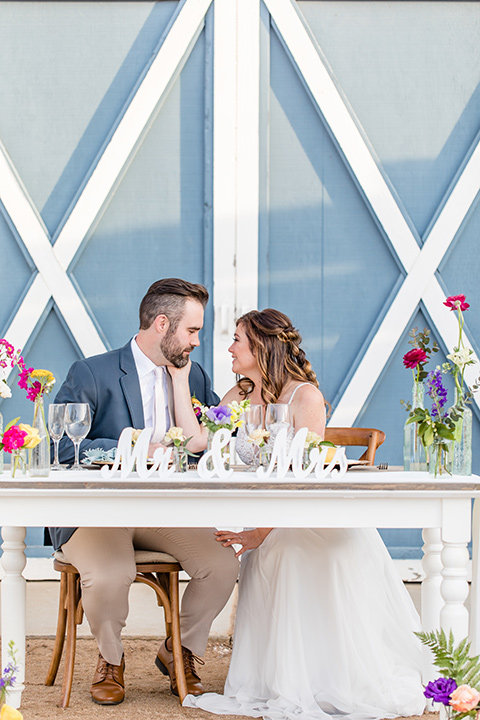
x=147 y=383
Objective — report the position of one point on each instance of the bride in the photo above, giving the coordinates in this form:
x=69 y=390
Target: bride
x=324 y=625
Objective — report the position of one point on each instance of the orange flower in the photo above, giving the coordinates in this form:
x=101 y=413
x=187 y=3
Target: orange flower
x=464 y=698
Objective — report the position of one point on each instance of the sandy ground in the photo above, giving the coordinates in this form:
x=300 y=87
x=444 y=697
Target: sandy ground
x=147 y=691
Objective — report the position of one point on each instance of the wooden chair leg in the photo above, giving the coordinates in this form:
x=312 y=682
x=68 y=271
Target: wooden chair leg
x=70 y=647
x=176 y=638
x=60 y=636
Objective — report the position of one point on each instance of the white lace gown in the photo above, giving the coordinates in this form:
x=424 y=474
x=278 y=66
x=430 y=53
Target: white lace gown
x=324 y=629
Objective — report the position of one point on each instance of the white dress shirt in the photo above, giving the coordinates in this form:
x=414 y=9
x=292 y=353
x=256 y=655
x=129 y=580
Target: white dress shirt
x=146 y=375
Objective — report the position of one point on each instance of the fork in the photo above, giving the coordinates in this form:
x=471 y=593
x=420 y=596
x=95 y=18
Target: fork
x=382 y=466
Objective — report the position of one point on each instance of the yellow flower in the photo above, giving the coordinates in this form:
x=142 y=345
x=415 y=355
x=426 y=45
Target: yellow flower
x=135 y=436
x=9 y=713
x=313 y=440
x=258 y=437
x=330 y=454
x=175 y=433
x=43 y=376
x=32 y=439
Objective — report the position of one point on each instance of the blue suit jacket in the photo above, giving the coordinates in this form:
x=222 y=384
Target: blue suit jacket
x=109 y=384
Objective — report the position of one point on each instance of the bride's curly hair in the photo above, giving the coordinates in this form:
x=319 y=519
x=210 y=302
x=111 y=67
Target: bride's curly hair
x=275 y=343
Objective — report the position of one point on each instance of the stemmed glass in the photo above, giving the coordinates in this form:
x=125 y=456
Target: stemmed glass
x=253 y=417
x=56 y=428
x=278 y=416
x=77 y=425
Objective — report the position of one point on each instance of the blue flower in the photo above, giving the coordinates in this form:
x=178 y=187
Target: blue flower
x=220 y=415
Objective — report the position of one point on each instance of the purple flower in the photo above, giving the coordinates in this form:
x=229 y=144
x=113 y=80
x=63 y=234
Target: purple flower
x=436 y=391
x=220 y=415
x=440 y=690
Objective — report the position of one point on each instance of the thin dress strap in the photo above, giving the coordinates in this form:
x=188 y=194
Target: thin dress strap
x=295 y=390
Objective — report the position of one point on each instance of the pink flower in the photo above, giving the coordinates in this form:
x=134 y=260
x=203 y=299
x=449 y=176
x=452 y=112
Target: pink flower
x=413 y=357
x=456 y=302
x=24 y=375
x=464 y=698
x=34 y=391
x=13 y=438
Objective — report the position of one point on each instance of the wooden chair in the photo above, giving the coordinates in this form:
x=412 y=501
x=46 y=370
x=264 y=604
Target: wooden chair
x=157 y=570
x=361 y=437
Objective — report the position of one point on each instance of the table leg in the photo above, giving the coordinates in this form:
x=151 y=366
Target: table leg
x=431 y=597
x=454 y=587
x=474 y=619
x=13 y=590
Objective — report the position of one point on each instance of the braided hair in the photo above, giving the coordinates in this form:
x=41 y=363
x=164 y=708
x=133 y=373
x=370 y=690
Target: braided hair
x=275 y=343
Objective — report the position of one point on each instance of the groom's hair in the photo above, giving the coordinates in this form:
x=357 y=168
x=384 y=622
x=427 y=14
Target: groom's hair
x=168 y=297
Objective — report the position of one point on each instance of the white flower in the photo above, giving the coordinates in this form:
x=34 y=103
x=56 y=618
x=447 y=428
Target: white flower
x=259 y=437
x=312 y=440
x=460 y=357
x=5 y=391
x=175 y=433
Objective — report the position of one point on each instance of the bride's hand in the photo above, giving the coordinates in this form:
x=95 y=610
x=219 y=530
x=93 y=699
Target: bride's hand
x=248 y=539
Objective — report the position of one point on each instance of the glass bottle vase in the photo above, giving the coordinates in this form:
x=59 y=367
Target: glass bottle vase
x=40 y=454
x=414 y=455
x=462 y=446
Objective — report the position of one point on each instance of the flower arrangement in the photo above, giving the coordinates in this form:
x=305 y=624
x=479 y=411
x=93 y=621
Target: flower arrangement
x=313 y=440
x=440 y=426
x=7 y=680
x=17 y=438
x=456 y=689
x=37 y=383
x=228 y=416
x=174 y=436
x=436 y=425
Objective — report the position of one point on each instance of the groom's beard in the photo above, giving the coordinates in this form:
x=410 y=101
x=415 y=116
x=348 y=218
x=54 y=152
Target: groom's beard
x=173 y=352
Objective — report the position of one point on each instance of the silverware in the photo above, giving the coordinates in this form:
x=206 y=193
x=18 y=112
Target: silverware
x=382 y=466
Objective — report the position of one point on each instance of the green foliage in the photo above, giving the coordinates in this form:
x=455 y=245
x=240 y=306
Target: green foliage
x=422 y=340
x=452 y=662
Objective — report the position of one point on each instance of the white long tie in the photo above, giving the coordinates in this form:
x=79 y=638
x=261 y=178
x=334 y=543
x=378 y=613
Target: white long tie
x=159 y=407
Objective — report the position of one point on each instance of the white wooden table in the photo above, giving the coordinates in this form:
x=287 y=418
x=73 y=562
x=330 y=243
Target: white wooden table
x=365 y=498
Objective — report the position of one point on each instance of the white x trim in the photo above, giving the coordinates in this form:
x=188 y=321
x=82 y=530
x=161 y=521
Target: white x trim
x=420 y=264
x=52 y=262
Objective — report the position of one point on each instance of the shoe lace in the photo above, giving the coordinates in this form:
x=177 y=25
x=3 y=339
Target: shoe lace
x=189 y=660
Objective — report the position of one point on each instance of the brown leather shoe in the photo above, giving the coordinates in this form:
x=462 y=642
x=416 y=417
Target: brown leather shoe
x=108 y=685
x=164 y=662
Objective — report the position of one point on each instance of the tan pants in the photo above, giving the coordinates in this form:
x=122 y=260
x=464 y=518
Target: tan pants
x=105 y=559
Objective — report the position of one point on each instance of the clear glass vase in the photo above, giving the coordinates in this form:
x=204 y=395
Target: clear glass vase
x=225 y=452
x=1 y=451
x=462 y=446
x=180 y=458
x=40 y=454
x=414 y=455
x=441 y=457
x=18 y=463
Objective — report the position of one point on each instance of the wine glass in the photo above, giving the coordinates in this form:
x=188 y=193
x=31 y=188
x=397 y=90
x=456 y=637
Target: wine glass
x=253 y=417
x=56 y=428
x=77 y=425
x=278 y=416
